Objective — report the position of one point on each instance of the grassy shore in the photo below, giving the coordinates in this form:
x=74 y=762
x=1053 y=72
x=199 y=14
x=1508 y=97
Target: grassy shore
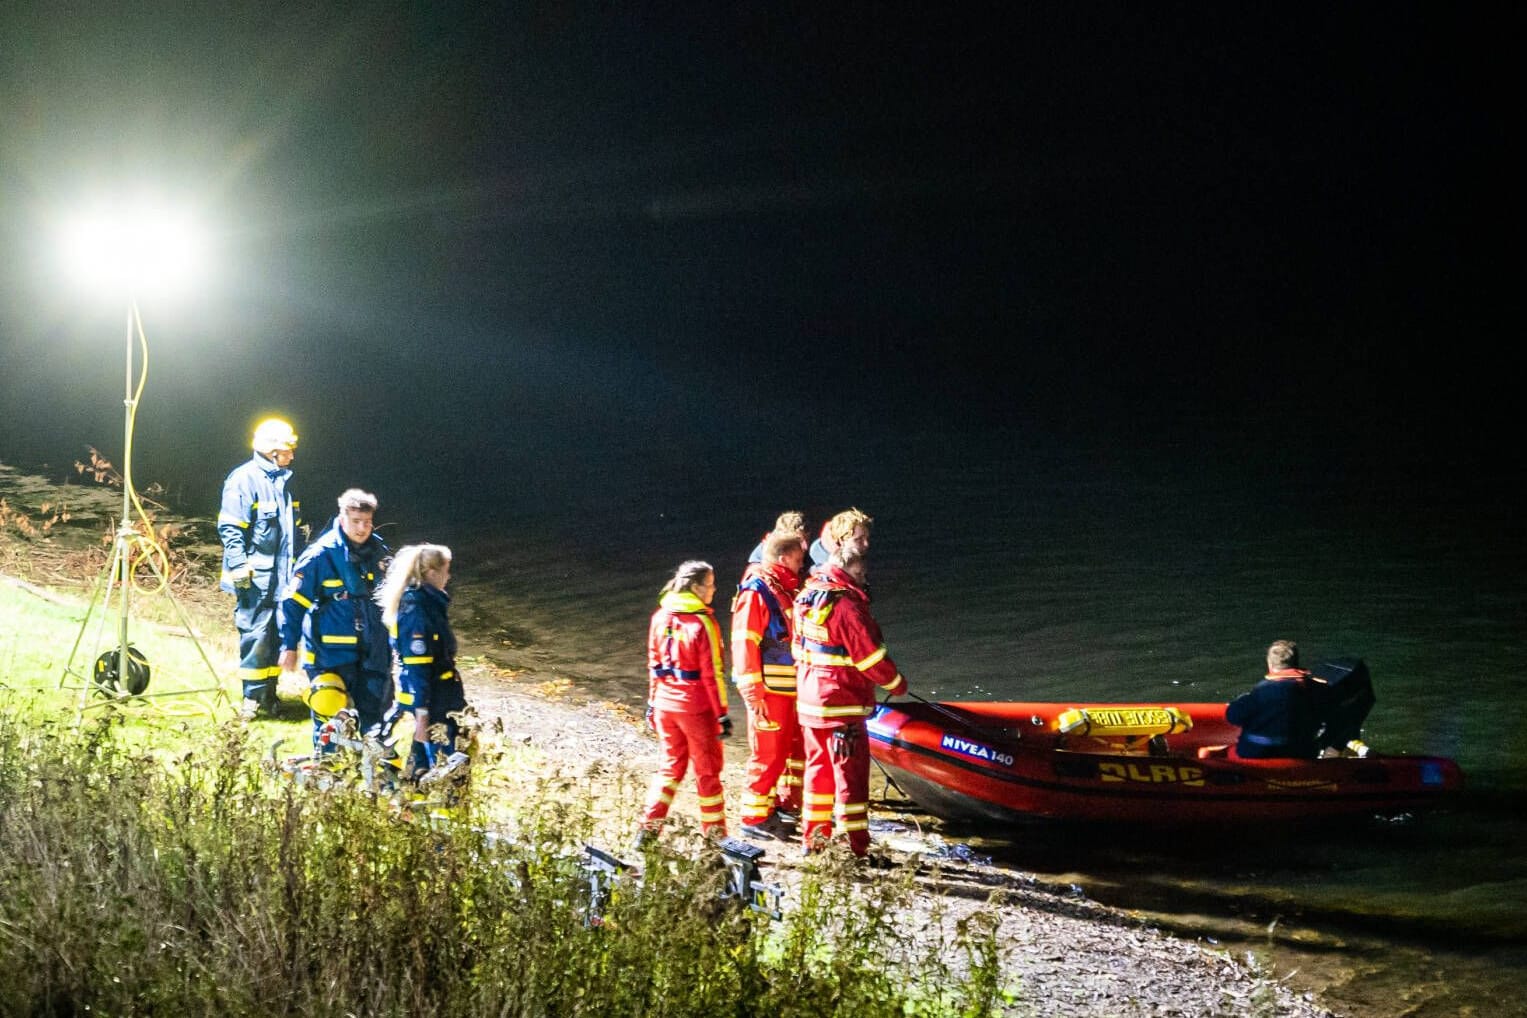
x=158 y=863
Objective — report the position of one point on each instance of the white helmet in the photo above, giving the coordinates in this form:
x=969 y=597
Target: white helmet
x=274 y=434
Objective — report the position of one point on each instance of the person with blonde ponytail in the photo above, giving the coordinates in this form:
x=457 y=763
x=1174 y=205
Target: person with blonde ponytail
x=414 y=605
x=686 y=698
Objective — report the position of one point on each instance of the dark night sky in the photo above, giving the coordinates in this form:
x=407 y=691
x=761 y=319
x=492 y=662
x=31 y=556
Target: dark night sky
x=1140 y=220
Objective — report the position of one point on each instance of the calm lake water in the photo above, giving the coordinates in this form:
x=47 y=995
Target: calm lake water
x=1004 y=568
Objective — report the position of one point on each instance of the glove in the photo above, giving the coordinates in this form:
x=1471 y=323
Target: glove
x=651 y=718
x=843 y=744
x=726 y=727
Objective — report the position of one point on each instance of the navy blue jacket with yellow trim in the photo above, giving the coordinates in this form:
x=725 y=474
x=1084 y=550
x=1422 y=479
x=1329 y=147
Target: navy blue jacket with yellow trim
x=425 y=645
x=259 y=524
x=329 y=605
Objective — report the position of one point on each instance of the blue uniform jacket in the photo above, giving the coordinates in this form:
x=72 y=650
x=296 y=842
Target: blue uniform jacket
x=426 y=647
x=329 y=606
x=258 y=524
x=1277 y=719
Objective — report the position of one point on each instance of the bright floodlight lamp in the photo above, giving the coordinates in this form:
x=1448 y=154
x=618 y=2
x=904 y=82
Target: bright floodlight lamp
x=127 y=251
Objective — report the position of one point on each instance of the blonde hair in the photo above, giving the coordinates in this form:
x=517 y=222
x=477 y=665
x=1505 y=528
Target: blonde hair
x=686 y=576
x=407 y=570
x=846 y=522
x=791 y=521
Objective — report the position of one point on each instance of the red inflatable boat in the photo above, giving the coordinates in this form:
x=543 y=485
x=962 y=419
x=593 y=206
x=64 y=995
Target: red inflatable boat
x=1129 y=763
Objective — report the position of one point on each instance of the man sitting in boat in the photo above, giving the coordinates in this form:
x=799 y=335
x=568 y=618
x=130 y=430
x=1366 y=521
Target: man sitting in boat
x=1279 y=717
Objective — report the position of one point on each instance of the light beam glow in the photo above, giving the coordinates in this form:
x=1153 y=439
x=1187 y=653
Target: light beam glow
x=133 y=249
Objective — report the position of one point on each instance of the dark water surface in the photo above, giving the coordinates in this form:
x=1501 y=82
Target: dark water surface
x=1006 y=568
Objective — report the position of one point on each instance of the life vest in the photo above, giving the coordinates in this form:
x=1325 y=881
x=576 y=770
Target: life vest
x=840 y=656
x=776 y=660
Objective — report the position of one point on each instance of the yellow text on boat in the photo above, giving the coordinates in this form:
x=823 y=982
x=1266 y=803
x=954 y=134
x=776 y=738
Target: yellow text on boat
x=1123 y=721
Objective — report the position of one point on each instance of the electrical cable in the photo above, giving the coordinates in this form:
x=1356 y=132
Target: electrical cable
x=143 y=545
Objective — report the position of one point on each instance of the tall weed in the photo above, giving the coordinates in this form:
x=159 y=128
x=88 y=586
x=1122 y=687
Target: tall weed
x=201 y=886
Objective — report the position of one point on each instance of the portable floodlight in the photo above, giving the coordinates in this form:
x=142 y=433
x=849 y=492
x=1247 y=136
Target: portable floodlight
x=124 y=250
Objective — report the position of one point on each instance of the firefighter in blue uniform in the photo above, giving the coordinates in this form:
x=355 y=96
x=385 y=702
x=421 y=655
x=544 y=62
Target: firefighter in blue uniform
x=260 y=528
x=329 y=609
x=415 y=606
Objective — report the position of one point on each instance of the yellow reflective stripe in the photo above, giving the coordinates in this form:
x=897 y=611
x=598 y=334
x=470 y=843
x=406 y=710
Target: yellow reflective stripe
x=225 y=518
x=300 y=599
x=448 y=675
x=854 y=825
x=818 y=798
x=814 y=815
x=789 y=670
x=405 y=698
x=333 y=583
x=307 y=657
x=872 y=660
x=339 y=639
x=712 y=800
x=718 y=669
x=812 y=710
x=890 y=683
x=746 y=679
x=419 y=660
x=814 y=657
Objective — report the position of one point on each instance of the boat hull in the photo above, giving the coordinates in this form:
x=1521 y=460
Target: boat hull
x=1012 y=763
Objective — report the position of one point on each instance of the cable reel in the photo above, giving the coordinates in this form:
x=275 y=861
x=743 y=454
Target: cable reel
x=109 y=683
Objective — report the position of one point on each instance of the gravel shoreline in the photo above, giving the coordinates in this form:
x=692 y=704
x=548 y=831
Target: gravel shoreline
x=1068 y=956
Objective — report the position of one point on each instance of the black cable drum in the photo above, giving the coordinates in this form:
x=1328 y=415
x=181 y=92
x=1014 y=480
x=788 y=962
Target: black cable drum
x=108 y=681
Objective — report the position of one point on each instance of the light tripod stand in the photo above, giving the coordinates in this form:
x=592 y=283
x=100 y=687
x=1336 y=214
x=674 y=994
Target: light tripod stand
x=122 y=675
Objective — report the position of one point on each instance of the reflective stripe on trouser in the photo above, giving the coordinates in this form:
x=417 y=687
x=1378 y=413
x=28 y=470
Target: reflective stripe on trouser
x=254 y=614
x=837 y=791
x=769 y=780
x=687 y=738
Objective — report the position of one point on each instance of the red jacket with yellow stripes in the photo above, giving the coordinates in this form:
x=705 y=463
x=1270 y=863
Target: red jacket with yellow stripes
x=841 y=660
x=761 y=625
x=684 y=672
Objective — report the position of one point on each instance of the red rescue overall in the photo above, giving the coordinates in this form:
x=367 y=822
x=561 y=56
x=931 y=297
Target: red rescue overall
x=688 y=699
x=763 y=669
x=841 y=660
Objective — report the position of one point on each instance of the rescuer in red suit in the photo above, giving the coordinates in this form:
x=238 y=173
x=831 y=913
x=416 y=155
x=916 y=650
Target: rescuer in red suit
x=686 y=698
x=763 y=669
x=841 y=662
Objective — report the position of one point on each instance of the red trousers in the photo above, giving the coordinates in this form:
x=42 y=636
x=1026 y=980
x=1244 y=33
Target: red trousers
x=775 y=761
x=685 y=738
x=837 y=786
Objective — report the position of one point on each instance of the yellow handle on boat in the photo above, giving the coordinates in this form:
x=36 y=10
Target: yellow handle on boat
x=1106 y=721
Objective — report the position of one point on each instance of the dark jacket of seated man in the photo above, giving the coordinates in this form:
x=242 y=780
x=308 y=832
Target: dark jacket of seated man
x=1278 y=717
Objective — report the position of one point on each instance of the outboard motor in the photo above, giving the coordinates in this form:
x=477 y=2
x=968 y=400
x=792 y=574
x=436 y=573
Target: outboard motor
x=1343 y=697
